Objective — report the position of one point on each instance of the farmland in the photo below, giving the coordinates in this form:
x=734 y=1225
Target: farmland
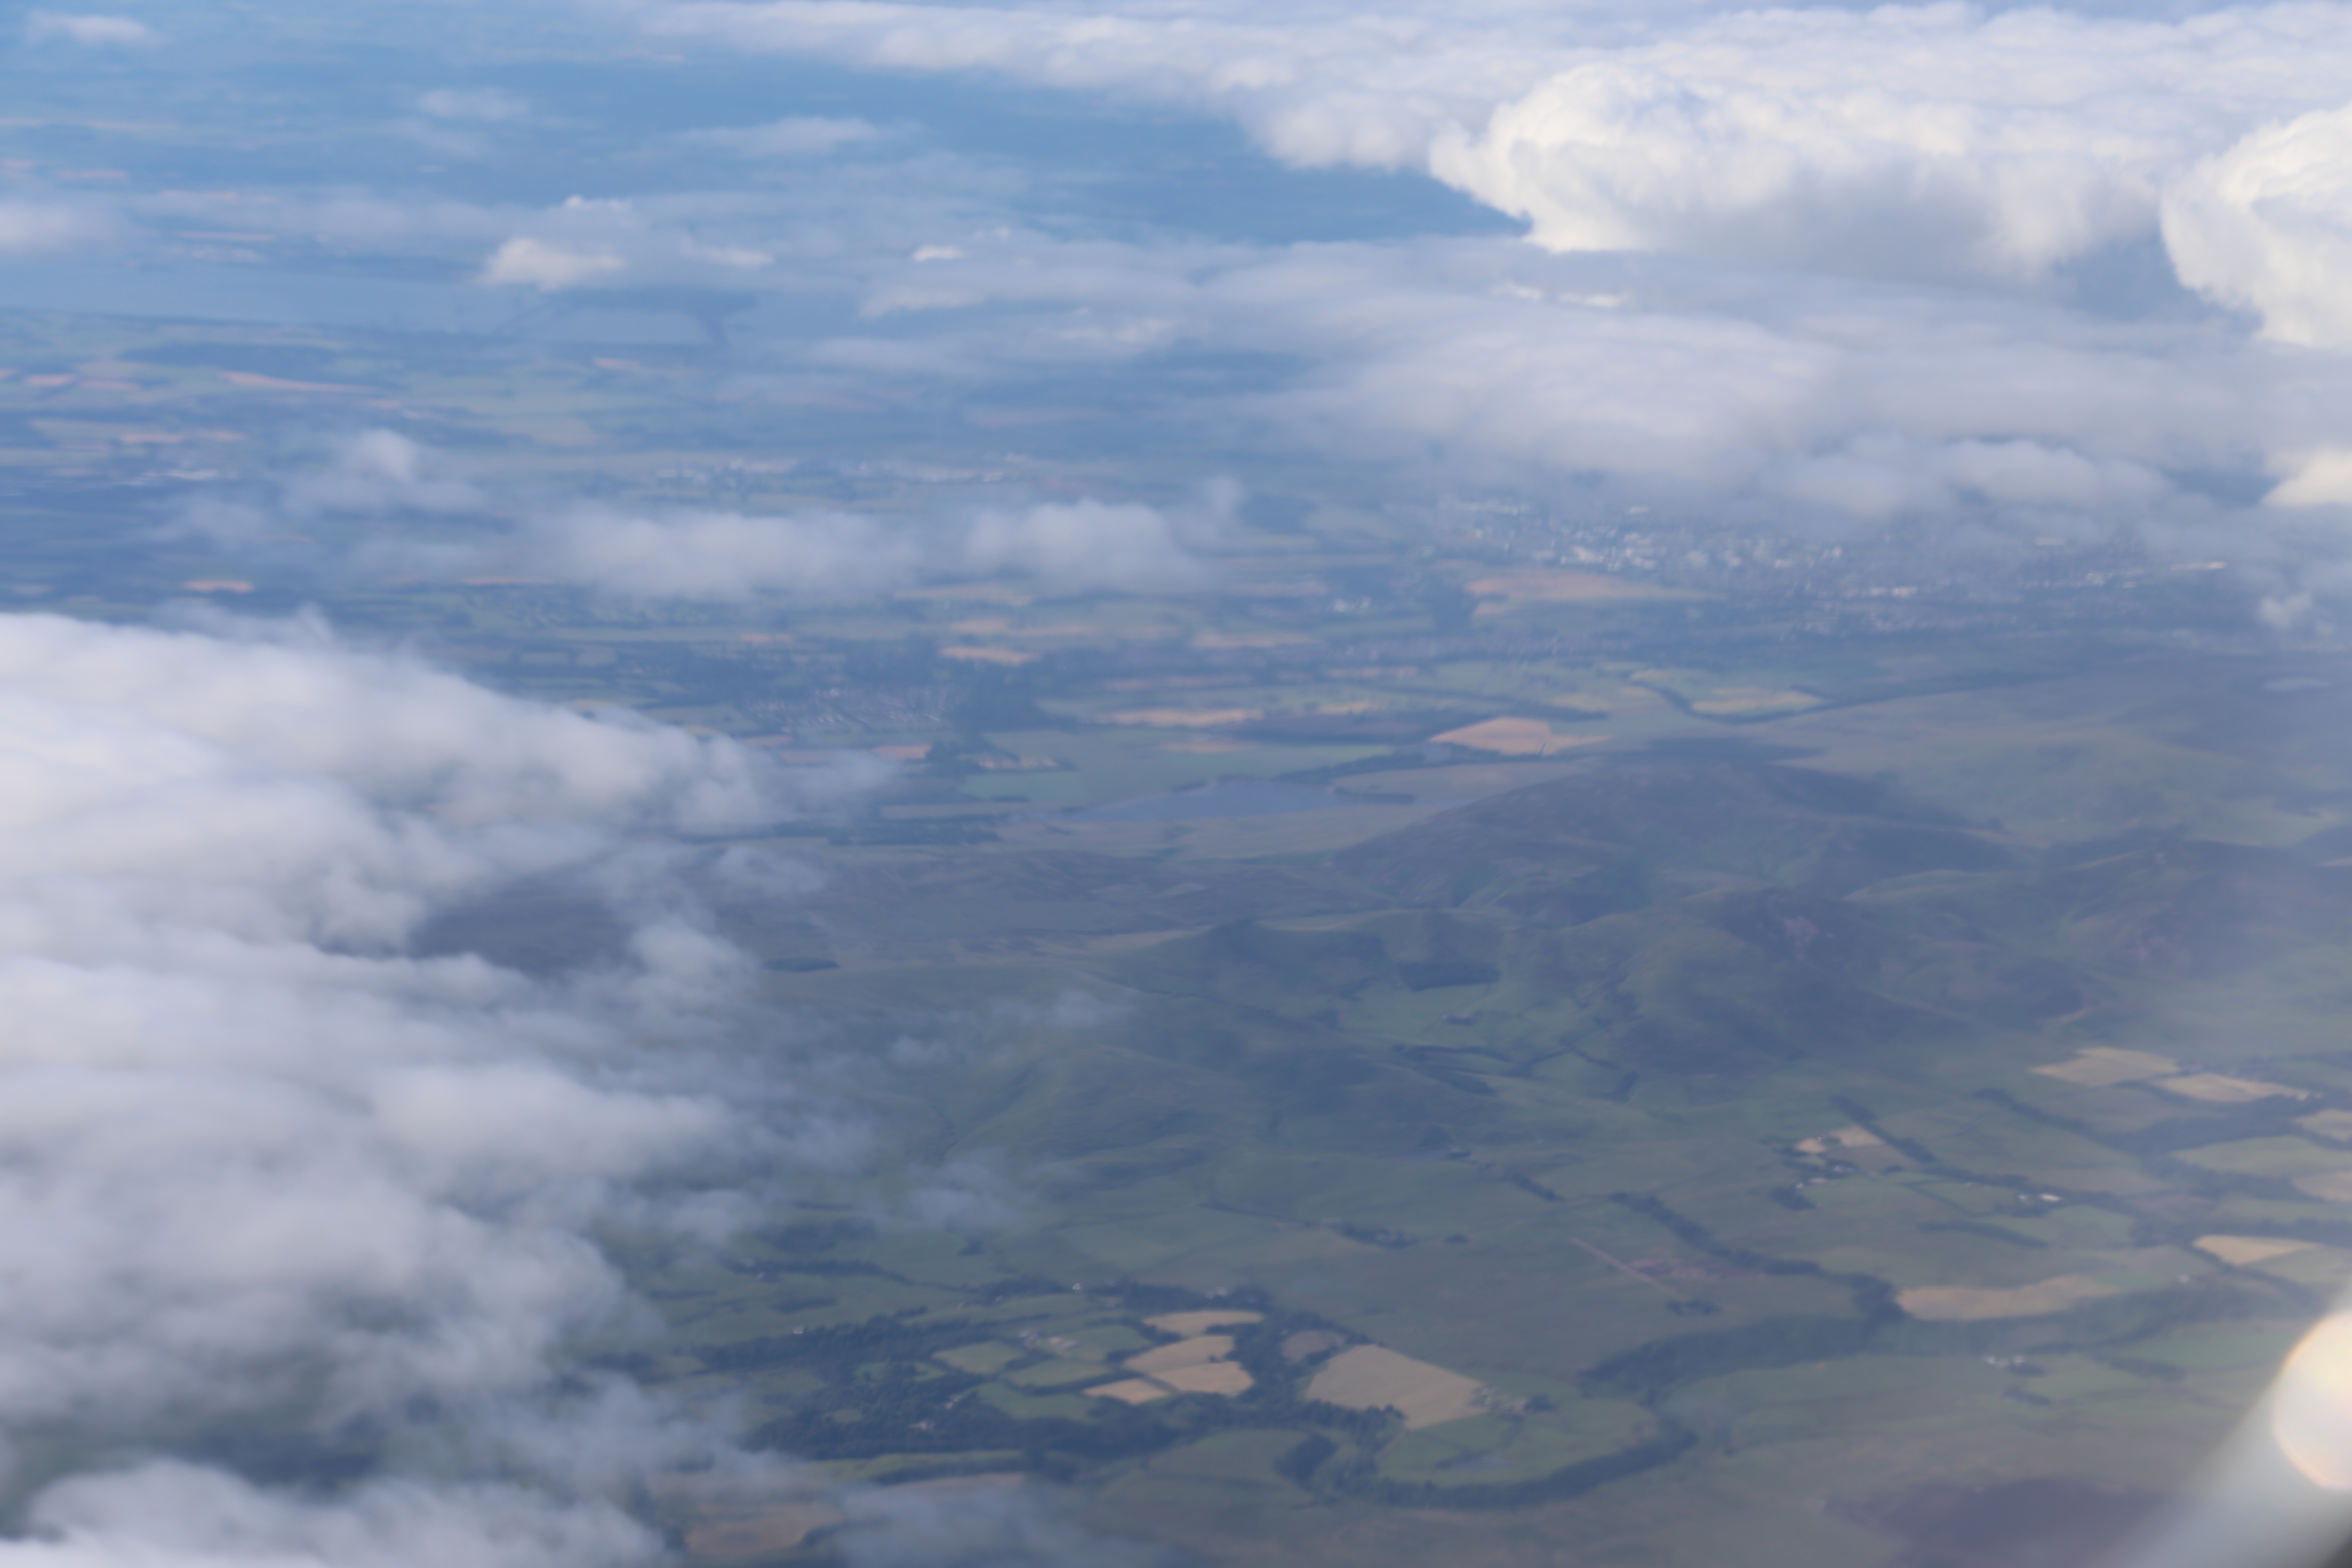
x=1403 y=1051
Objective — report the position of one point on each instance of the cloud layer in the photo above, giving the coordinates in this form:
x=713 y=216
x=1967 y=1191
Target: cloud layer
x=685 y=554
x=1932 y=143
x=1591 y=382
x=266 y=1173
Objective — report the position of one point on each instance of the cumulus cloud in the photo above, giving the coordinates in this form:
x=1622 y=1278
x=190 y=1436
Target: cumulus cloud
x=537 y=264
x=1921 y=140
x=2322 y=478
x=267 y=1170
x=95 y=32
x=1911 y=141
x=584 y=241
x=2267 y=226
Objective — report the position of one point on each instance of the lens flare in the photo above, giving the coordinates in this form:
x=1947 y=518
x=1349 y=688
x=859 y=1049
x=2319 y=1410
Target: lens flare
x=2311 y=1407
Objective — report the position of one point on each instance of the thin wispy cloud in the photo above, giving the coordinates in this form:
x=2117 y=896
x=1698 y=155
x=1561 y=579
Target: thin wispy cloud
x=91 y=31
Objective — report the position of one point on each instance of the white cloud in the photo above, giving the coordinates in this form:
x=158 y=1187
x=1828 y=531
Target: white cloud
x=2267 y=226
x=1921 y=140
x=384 y=731
x=96 y=32
x=1913 y=141
x=380 y=471
x=2321 y=479
x=540 y=265
x=1591 y=381
x=675 y=238
x=723 y=555
x=1086 y=544
x=266 y=1169
x=178 y=1516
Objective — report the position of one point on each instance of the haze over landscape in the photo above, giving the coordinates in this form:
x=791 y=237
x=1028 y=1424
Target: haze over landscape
x=922 y=785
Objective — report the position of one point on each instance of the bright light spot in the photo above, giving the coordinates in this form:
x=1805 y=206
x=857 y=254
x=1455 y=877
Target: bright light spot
x=2311 y=1410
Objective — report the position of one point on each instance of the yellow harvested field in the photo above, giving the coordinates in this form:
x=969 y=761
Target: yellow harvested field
x=1186 y=1324
x=2223 y=1090
x=1209 y=1377
x=2336 y=1124
x=2101 y=1065
x=1369 y=1377
x=1197 y=1366
x=990 y=655
x=1844 y=1138
x=2243 y=1250
x=1964 y=1304
x=1134 y=1390
x=1725 y=700
x=1181 y=718
x=2335 y=1186
x=1182 y=1353
x=1515 y=738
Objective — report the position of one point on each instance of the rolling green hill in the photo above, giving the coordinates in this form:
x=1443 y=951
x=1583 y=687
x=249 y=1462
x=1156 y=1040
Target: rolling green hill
x=1620 y=835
